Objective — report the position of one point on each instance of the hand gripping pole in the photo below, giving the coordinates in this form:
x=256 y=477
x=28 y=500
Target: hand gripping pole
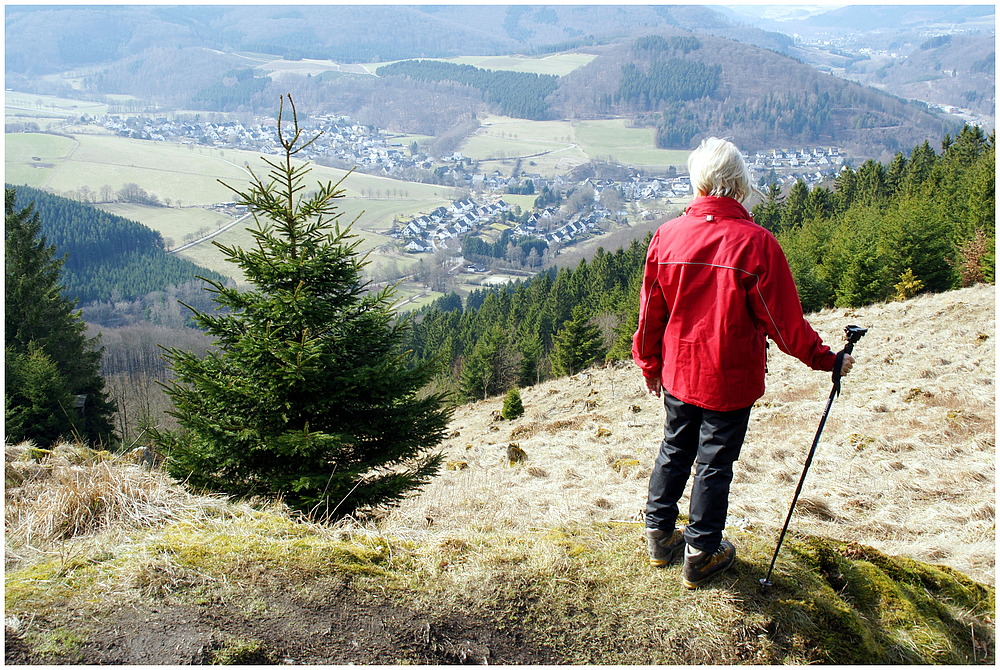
x=854 y=333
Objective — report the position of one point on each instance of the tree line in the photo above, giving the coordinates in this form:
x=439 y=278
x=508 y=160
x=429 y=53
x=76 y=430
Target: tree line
x=556 y=323
x=924 y=222
x=107 y=256
x=518 y=94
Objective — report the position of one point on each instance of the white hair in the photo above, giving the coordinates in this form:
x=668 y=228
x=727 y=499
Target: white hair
x=717 y=168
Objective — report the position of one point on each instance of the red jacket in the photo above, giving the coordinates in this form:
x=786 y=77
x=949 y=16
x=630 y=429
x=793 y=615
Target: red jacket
x=715 y=285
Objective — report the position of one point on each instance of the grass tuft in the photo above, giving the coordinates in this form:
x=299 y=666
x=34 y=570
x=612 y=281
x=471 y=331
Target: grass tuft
x=242 y=651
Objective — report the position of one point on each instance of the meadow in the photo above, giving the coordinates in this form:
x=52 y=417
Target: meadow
x=555 y=147
x=906 y=461
x=186 y=178
x=47 y=105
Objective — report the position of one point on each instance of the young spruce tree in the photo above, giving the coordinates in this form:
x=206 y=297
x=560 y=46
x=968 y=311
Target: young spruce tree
x=53 y=389
x=308 y=395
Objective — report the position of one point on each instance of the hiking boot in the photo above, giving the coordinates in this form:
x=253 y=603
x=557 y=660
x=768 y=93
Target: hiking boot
x=663 y=546
x=702 y=565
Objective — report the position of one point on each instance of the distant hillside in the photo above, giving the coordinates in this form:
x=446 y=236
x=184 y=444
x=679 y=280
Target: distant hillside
x=44 y=39
x=107 y=257
x=211 y=58
x=958 y=70
x=757 y=97
x=892 y=16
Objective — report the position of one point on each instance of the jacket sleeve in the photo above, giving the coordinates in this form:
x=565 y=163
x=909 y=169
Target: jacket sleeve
x=647 y=343
x=775 y=302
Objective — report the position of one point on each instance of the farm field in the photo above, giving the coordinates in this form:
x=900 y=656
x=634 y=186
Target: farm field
x=558 y=64
x=21 y=150
x=173 y=223
x=629 y=146
x=181 y=173
x=185 y=177
x=47 y=105
x=555 y=147
x=545 y=147
x=307 y=66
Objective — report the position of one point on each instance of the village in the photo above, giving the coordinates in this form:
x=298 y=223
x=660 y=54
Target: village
x=434 y=231
x=371 y=150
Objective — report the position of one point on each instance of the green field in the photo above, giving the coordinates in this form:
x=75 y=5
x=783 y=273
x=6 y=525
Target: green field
x=21 y=150
x=545 y=147
x=185 y=177
x=171 y=222
x=181 y=173
x=48 y=105
x=308 y=66
x=555 y=147
x=628 y=146
x=185 y=174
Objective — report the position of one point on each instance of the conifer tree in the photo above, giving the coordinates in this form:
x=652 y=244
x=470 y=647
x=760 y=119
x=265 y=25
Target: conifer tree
x=53 y=384
x=512 y=405
x=577 y=345
x=308 y=395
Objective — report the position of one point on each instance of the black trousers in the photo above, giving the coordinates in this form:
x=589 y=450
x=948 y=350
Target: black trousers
x=713 y=440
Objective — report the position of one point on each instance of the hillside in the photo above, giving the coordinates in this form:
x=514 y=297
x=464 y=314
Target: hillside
x=543 y=561
x=233 y=59
x=692 y=87
x=106 y=256
x=42 y=40
x=955 y=70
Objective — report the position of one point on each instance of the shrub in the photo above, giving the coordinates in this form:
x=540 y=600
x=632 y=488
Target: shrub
x=512 y=406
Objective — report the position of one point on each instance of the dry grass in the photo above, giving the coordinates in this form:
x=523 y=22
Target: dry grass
x=906 y=462
x=906 y=465
x=73 y=492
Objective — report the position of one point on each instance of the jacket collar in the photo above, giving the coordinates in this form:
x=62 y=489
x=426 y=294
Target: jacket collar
x=714 y=205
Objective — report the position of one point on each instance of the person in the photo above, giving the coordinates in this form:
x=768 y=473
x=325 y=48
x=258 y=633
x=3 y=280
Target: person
x=715 y=286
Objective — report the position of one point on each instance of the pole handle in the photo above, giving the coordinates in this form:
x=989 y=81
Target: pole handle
x=853 y=333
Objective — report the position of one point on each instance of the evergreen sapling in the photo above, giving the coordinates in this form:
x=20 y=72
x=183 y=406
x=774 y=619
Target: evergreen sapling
x=307 y=394
x=512 y=406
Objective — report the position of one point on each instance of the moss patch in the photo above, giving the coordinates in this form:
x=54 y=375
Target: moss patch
x=852 y=604
x=586 y=592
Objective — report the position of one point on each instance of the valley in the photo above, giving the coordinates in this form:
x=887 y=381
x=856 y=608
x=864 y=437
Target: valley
x=89 y=125
x=450 y=406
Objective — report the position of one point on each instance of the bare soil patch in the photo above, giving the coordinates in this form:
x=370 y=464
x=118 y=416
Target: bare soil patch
x=343 y=627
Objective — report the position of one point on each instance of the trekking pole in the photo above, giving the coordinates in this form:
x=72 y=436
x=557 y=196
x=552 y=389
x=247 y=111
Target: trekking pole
x=854 y=333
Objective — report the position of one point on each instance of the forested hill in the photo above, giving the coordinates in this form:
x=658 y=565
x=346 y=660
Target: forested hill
x=692 y=86
x=517 y=94
x=106 y=255
x=43 y=39
x=923 y=222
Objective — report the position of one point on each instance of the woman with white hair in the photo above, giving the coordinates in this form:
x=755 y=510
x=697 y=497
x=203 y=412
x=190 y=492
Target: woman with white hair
x=716 y=285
